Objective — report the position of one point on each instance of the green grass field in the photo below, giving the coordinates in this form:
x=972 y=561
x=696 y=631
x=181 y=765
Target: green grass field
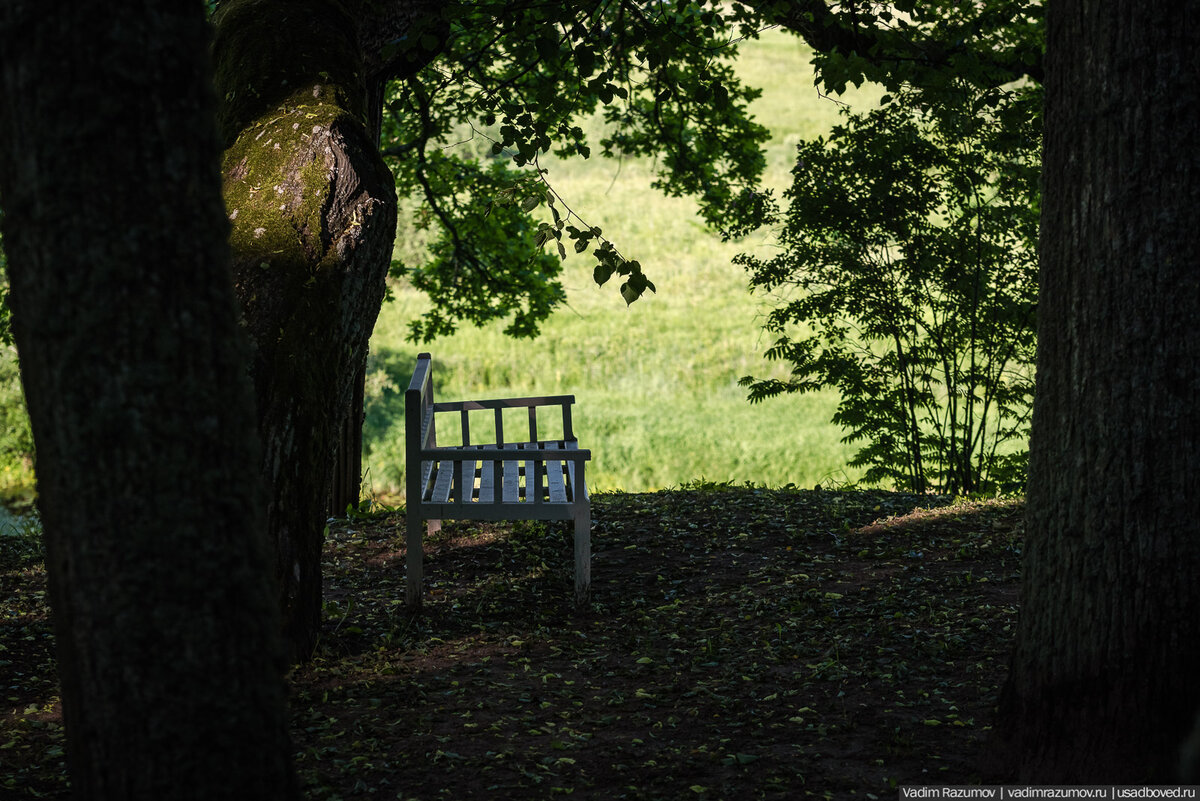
x=656 y=383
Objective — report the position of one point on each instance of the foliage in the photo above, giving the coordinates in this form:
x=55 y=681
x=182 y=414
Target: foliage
x=745 y=643
x=16 y=436
x=909 y=248
x=521 y=77
x=5 y=313
x=633 y=369
x=931 y=46
x=484 y=250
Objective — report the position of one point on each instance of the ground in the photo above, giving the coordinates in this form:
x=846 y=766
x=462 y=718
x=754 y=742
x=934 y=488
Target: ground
x=741 y=643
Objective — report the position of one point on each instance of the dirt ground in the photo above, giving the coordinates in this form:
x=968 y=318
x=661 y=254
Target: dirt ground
x=741 y=643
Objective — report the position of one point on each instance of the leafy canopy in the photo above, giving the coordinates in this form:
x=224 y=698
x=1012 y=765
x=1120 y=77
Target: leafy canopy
x=521 y=78
x=5 y=313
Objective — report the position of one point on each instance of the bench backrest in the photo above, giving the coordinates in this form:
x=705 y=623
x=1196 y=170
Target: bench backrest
x=497 y=407
x=419 y=430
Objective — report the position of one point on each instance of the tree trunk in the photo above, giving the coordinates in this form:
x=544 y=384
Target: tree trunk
x=346 y=488
x=136 y=379
x=1103 y=682
x=313 y=209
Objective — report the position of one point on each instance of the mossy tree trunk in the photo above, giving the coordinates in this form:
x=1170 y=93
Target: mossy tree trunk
x=313 y=209
x=135 y=372
x=1103 y=684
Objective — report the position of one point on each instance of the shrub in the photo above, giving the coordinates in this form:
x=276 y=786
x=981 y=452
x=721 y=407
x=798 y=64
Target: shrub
x=16 y=437
x=907 y=280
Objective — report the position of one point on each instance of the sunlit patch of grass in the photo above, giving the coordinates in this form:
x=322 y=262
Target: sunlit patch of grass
x=656 y=382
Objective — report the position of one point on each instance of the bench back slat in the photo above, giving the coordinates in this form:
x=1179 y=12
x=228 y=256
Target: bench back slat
x=568 y=432
x=533 y=483
x=497 y=406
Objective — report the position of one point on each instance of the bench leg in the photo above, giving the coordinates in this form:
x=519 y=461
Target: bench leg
x=413 y=560
x=583 y=558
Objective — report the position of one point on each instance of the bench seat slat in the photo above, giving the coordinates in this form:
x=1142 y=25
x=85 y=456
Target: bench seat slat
x=554 y=478
x=467 y=479
x=507 y=480
x=512 y=481
x=441 y=482
x=487 y=486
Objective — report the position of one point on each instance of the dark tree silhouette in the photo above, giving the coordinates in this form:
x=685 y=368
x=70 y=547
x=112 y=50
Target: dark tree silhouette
x=136 y=376
x=1103 y=687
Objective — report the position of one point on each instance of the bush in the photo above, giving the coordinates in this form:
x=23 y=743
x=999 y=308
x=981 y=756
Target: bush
x=16 y=437
x=907 y=280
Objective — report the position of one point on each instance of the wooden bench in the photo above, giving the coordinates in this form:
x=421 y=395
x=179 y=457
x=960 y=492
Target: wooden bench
x=533 y=479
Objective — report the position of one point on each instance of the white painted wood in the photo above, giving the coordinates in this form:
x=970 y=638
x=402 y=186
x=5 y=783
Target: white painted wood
x=554 y=480
x=412 y=562
x=441 y=482
x=533 y=480
x=583 y=558
x=487 y=486
x=512 y=480
x=467 y=480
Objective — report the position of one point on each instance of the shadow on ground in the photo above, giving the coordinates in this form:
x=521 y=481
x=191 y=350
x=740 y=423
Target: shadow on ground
x=742 y=643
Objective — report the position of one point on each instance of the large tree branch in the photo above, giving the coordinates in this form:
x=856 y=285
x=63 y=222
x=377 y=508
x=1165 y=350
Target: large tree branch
x=835 y=28
x=399 y=37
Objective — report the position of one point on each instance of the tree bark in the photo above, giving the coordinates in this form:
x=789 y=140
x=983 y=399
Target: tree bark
x=1103 y=682
x=345 y=490
x=136 y=379
x=313 y=209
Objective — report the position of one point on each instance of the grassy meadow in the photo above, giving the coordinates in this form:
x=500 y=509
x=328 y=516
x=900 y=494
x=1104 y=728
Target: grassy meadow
x=656 y=383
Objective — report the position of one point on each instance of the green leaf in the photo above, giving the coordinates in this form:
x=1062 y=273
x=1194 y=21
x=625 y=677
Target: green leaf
x=629 y=293
x=585 y=59
x=720 y=97
x=547 y=47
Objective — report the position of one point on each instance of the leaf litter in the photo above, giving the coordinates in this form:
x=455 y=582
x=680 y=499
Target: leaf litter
x=741 y=643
